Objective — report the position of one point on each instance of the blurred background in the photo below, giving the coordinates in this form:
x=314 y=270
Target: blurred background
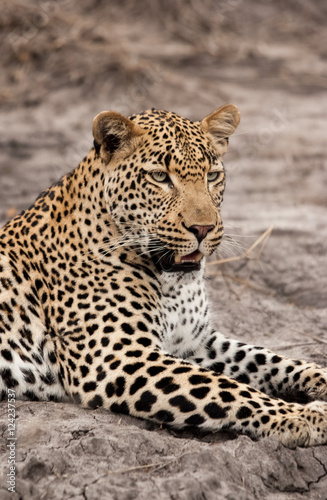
x=129 y=53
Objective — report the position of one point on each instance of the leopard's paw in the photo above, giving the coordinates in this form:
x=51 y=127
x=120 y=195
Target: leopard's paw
x=314 y=383
x=307 y=426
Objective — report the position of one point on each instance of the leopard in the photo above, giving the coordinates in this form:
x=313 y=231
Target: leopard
x=103 y=298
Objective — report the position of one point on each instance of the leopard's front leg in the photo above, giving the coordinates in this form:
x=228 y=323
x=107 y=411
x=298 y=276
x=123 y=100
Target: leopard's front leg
x=159 y=387
x=271 y=373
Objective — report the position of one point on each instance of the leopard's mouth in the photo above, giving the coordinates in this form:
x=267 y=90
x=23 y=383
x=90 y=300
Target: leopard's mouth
x=170 y=261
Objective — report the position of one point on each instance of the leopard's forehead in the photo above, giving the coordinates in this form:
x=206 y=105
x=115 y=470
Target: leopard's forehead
x=188 y=147
x=156 y=117
x=167 y=122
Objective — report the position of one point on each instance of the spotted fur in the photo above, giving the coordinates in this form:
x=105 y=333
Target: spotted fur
x=102 y=296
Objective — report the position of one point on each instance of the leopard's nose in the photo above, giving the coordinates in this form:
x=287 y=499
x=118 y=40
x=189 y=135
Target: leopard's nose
x=200 y=232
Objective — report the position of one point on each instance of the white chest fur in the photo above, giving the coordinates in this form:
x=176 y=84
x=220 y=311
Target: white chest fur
x=184 y=309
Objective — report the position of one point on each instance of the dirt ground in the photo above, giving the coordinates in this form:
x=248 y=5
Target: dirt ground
x=64 y=61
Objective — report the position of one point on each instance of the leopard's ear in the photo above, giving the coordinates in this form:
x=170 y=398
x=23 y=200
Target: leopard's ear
x=221 y=124
x=114 y=133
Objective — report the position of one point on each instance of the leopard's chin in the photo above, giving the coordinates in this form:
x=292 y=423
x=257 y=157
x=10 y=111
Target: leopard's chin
x=169 y=261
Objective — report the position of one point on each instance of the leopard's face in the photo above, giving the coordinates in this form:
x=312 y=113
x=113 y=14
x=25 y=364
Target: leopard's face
x=164 y=194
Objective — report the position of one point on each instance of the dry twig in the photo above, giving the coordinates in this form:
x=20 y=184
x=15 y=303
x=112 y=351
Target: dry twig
x=248 y=255
x=290 y=346
x=313 y=337
x=157 y=465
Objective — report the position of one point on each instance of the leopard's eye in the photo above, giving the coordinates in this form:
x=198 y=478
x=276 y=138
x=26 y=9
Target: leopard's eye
x=159 y=176
x=214 y=176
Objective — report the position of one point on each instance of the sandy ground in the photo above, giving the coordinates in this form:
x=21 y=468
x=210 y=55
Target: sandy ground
x=62 y=67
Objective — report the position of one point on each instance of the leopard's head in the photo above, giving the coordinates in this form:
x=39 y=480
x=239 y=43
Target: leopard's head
x=165 y=181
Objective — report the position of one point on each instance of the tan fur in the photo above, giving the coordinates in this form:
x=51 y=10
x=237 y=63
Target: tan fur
x=221 y=124
x=109 y=123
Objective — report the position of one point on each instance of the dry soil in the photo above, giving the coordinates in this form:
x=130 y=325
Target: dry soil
x=64 y=61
